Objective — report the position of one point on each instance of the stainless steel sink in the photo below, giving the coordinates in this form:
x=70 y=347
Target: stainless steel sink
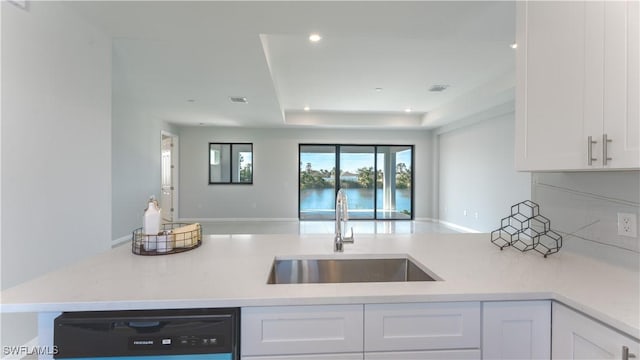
x=342 y=270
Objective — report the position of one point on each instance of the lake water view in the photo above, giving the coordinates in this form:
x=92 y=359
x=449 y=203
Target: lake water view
x=359 y=199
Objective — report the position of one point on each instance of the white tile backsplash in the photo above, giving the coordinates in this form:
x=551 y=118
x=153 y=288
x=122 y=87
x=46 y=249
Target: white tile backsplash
x=583 y=207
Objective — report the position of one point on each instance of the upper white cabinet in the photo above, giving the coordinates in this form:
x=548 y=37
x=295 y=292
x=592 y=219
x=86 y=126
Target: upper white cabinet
x=577 y=92
x=575 y=336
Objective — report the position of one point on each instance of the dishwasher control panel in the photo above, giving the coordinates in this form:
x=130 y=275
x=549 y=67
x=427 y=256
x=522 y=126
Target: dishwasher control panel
x=184 y=341
x=154 y=333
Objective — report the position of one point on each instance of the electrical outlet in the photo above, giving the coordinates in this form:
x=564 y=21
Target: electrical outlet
x=627 y=225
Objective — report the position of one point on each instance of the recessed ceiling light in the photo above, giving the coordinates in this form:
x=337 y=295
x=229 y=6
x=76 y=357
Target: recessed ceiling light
x=315 y=37
x=238 y=99
x=378 y=89
x=407 y=110
x=306 y=108
x=514 y=45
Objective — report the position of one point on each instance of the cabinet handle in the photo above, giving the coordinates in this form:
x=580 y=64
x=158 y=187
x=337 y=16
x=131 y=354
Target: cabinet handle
x=590 y=158
x=626 y=355
x=605 y=142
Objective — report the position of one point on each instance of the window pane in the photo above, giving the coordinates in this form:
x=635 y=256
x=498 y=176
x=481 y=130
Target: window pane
x=230 y=163
x=219 y=166
x=378 y=181
x=395 y=182
x=242 y=163
x=357 y=177
x=317 y=182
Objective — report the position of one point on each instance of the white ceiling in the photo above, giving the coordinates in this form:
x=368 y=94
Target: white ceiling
x=181 y=61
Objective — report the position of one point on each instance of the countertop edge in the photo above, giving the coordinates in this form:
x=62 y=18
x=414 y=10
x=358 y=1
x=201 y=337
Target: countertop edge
x=620 y=326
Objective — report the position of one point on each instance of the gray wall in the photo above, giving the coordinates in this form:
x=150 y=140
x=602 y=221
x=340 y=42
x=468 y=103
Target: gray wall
x=56 y=147
x=583 y=207
x=274 y=193
x=477 y=173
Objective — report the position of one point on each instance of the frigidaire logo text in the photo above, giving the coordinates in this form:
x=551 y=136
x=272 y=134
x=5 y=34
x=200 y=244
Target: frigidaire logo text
x=142 y=342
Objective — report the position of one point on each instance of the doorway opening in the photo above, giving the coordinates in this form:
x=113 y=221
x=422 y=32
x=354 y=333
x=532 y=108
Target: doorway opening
x=169 y=178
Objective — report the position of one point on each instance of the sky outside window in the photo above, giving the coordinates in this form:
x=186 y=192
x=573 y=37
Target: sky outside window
x=326 y=161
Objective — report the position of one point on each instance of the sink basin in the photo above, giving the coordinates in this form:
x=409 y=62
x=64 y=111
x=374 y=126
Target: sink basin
x=347 y=270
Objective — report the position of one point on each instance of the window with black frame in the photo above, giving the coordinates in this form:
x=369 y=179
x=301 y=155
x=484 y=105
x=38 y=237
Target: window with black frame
x=378 y=180
x=230 y=163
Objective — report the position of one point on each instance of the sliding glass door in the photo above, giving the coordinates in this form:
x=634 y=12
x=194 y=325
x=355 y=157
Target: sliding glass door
x=378 y=180
x=357 y=164
x=395 y=182
x=317 y=178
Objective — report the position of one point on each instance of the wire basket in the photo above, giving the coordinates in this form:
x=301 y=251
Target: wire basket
x=173 y=238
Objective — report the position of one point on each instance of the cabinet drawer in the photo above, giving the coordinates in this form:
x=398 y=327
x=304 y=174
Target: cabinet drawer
x=282 y=330
x=425 y=355
x=422 y=326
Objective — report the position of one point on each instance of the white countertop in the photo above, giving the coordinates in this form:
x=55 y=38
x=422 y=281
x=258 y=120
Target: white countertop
x=232 y=270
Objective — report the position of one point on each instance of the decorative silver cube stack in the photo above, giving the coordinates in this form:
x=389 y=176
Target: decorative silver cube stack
x=525 y=229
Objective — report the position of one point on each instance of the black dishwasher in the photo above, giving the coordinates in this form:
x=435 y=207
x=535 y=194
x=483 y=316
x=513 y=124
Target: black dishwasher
x=180 y=334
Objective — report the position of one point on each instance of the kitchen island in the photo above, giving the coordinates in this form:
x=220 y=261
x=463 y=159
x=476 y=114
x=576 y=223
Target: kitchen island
x=232 y=271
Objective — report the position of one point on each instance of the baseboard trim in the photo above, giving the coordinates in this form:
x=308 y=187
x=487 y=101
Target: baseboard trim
x=426 y=219
x=283 y=219
x=235 y=219
x=460 y=228
x=119 y=241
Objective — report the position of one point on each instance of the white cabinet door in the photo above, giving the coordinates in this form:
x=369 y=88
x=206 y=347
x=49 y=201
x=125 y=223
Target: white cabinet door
x=550 y=86
x=621 y=83
x=422 y=326
x=425 y=355
x=578 y=78
x=575 y=336
x=307 y=357
x=285 y=330
x=516 y=330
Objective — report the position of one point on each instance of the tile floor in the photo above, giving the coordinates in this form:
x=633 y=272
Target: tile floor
x=323 y=227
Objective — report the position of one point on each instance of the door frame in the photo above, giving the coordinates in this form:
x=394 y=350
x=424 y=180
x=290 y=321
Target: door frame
x=174 y=172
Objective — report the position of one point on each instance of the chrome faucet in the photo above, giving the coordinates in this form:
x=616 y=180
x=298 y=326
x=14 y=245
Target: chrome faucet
x=342 y=216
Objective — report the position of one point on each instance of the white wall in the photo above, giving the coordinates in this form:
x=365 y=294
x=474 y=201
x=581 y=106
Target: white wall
x=56 y=147
x=477 y=173
x=583 y=207
x=136 y=140
x=274 y=193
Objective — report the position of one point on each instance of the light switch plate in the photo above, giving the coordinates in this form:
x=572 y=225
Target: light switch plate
x=628 y=225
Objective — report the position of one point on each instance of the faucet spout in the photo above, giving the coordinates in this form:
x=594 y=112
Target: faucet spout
x=342 y=216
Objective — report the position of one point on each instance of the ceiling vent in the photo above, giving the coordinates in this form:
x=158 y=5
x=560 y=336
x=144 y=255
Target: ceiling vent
x=238 y=99
x=438 y=88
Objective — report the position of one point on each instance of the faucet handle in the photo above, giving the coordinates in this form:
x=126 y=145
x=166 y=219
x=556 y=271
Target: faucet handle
x=348 y=239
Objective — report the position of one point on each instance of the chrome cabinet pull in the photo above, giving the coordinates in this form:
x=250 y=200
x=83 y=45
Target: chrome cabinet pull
x=605 y=156
x=590 y=158
x=626 y=355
